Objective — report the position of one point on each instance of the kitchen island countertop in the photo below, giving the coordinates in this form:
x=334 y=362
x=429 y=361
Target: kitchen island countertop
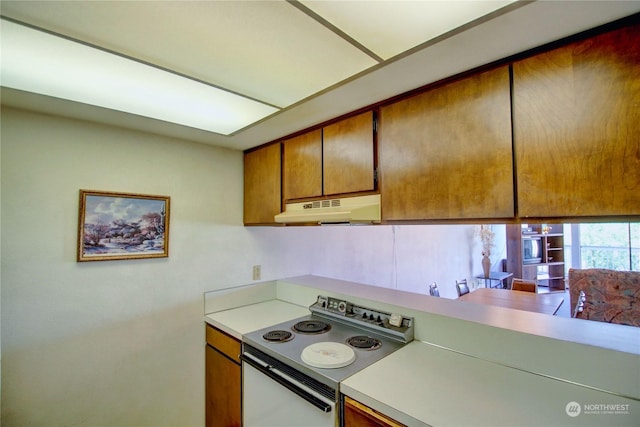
x=423 y=384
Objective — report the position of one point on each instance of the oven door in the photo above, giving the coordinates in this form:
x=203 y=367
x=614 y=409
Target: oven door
x=276 y=395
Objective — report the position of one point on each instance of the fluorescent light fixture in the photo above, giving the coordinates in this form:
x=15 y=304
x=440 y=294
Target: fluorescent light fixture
x=35 y=61
x=390 y=28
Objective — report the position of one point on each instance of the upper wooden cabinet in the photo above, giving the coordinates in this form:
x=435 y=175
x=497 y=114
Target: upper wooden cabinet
x=446 y=153
x=348 y=155
x=577 y=128
x=564 y=128
x=262 y=196
x=336 y=159
x=302 y=165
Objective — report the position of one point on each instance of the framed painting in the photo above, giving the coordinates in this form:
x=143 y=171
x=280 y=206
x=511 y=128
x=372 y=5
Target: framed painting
x=115 y=226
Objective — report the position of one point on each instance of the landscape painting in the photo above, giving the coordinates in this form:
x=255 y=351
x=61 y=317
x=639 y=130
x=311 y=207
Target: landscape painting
x=115 y=226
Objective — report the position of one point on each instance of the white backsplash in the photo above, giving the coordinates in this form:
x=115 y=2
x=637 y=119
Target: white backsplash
x=405 y=257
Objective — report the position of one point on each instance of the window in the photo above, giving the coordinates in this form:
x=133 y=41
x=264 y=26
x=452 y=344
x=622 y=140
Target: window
x=615 y=246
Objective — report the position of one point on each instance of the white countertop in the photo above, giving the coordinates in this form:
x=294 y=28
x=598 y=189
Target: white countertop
x=537 y=343
x=241 y=320
x=479 y=373
x=422 y=384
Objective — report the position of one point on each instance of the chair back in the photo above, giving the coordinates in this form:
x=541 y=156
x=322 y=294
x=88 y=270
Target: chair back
x=605 y=295
x=433 y=290
x=524 y=285
x=462 y=287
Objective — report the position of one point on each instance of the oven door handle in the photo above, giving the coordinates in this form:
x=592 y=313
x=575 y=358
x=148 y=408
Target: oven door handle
x=286 y=381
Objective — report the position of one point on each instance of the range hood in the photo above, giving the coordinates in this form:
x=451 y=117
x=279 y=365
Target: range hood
x=361 y=209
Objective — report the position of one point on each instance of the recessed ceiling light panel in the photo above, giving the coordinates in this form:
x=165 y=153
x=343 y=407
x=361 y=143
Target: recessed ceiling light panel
x=35 y=61
x=390 y=28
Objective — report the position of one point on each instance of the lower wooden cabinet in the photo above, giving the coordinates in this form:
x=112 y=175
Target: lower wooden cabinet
x=223 y=388
x=358 y=415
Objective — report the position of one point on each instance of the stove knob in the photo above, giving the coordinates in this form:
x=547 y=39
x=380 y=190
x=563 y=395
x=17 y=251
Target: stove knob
x=342 y=306
x=379 y=319
x=371 y=317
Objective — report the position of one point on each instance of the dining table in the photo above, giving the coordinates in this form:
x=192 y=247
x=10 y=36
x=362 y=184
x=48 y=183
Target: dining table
x=547 y=303
x=501 y=279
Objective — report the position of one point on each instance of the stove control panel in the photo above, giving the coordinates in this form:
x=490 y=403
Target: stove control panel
x=393 y=324
x=335 y=305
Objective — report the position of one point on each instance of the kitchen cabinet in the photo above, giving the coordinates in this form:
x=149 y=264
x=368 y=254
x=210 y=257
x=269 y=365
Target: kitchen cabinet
x=577 y=127
x=348 y=155
x=262 y=176
x=223 y=384
x=446 y=153
x=358 y=415
x=334 y=160
x=302 y=164
x=557 y=139
x=547 y=265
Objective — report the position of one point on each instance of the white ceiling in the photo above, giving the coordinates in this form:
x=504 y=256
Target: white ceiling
x=313 y=60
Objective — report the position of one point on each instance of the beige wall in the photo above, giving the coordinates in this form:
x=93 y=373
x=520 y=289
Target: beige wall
x=121 y=342
x=117 y=342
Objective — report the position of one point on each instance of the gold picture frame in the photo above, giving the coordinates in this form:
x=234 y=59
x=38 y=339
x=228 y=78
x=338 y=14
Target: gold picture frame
x=117 y=226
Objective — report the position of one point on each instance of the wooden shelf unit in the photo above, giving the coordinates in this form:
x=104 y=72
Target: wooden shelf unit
x=550 y=270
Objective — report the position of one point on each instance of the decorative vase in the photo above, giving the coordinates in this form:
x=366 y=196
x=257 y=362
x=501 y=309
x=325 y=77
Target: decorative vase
x=486 y=266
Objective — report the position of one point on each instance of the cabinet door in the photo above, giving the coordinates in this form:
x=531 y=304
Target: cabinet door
x=303 y=166
x=446 y=153
x=348 y=155
x=358 y=415
x=577 y=127
x=223 y=390
x=262 y=198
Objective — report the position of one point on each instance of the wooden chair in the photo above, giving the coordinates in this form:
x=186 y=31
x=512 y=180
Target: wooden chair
x=433 y=290
x=462 y=287
x=524 y=285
